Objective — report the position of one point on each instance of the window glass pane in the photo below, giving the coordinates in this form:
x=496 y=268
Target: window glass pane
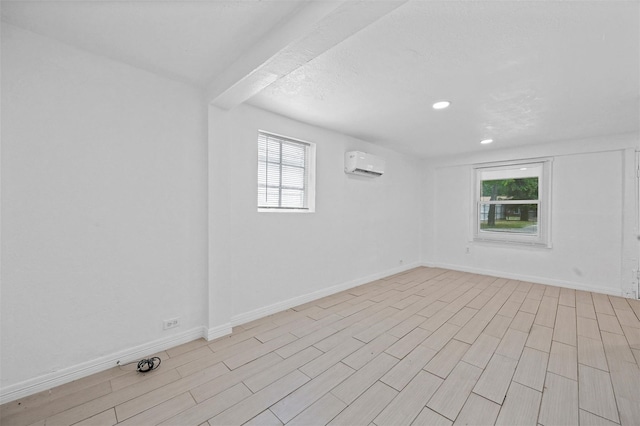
x=293 y=198
x=268 y=197
x=293 y=155
x=509 y=218
x=509 y=189
x=292 y=177
x=282 y=172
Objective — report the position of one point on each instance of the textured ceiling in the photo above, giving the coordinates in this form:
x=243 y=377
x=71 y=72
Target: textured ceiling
x=516 y=71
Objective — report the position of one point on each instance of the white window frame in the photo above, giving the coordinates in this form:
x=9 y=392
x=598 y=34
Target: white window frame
x=310 y=176
x=543 y=236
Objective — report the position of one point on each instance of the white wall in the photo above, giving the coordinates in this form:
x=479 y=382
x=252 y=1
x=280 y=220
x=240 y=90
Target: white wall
x=103 y=207
x=362 y=226
x=590 y=187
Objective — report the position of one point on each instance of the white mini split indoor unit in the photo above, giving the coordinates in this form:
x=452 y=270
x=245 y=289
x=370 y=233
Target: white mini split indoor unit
x=361 y=163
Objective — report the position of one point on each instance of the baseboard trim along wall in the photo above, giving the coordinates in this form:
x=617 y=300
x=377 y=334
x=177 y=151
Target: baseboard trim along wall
x=217 y=332
x=299 y=300
x=69 y=374
x=527 y=278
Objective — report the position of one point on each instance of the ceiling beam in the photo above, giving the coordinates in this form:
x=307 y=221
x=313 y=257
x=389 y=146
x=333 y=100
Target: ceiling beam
x=316 y=27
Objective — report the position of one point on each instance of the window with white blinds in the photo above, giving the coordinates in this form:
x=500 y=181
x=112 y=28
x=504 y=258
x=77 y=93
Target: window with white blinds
x=284 y=173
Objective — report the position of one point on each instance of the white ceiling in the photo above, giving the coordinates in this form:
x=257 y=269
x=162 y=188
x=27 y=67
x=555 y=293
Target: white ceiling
x=516 y=71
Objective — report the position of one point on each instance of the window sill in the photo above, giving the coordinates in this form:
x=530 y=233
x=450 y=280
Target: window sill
x=512 y=243
x=260 y=210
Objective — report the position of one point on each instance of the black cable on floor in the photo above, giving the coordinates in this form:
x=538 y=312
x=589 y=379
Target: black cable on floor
x=145 y=365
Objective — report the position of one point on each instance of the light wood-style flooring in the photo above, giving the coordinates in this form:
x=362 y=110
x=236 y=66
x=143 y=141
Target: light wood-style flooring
x=425 y=347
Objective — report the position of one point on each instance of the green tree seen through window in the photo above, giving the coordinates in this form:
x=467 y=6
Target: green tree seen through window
x=510 y=189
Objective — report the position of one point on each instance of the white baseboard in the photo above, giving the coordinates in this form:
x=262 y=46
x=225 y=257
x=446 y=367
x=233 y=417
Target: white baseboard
x=218 y=331
x=527 y=278
x=69 y=374
x=299 y=300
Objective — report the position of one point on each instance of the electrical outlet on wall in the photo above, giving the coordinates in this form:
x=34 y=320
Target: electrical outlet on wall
x=170 y=323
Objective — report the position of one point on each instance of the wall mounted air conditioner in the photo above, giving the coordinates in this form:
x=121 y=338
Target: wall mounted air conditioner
x=361 y=163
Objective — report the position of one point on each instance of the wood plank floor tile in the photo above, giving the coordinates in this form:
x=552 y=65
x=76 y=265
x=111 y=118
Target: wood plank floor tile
x=406 y=326
x=247 y=356
x=546 y=315
x=213 y=406
x=596 y=393
x=520 y=407
x=300 y=399
x=591 y=353
x=254 y=404
x=304 y=342
x=495 y=379
x=274 y=371
x=441 y=336
x=152 y=398
x=463 y=316
x=405 y=370
x=478 y=411
x=627 y=318
x=453 y=393
x=565 y=330
x=588 y=328
x=609 y=323
x=437 y=347
x=509 y=309
x=530 y=306
x=481 y=351
x=585 y=310
x=227 y=380
x=445 y=361
x=532 y=368
x=498 y=326
x=319 y=413
x=470 y=332
x=602 y=304
x=559 y=401
x=160 y=412
x=428 y=417
x=522 y=321
x=407 y=405
x=369 y=351
x=626 y=388
x=567 y=297
x=629 y=411
x=617 y=350
x=589 y=419
x=266 y=418
x=512 y=344
x=106 y=418
x=61 y=405
x=633 y=336
x=328 y=359
x=97 y=405
x=406 y=344
x=366 y=407
x=349 y=390
x=563 y=360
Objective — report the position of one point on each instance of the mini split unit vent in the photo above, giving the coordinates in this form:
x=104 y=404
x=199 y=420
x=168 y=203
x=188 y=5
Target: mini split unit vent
x=361 y=163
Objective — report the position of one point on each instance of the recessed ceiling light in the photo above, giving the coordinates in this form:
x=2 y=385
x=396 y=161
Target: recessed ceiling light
x=441 y=105
x=486 y=141
x=523 y=168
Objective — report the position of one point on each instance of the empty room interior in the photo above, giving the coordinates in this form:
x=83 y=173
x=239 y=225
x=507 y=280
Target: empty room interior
x=320 y=212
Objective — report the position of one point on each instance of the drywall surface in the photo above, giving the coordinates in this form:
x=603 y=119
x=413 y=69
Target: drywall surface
x=103 y=206
x=361 y=226
x=589 y=217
